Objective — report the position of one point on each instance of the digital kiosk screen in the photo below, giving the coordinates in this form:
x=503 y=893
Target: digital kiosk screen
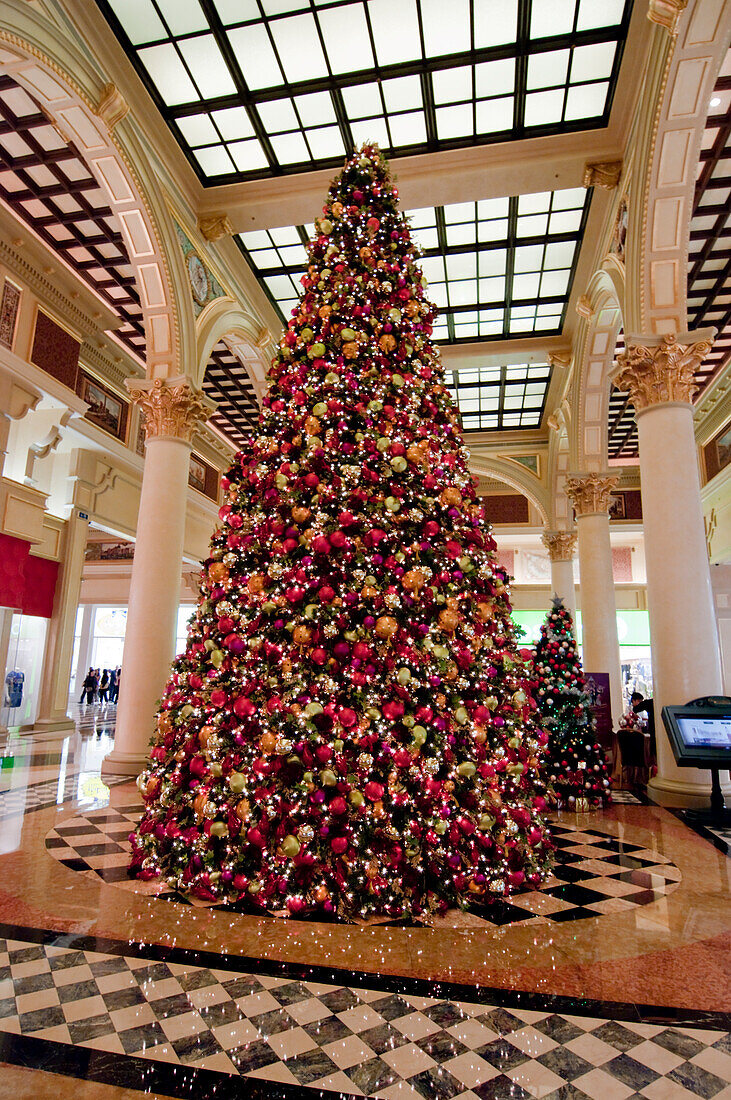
x=700 y=736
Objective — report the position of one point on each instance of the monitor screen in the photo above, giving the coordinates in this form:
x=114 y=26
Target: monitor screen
x=706 y=733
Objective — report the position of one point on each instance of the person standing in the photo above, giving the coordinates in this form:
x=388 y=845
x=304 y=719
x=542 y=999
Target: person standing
x=88 y=688
x=117 y=678
x=104 y=686
x=640 y=705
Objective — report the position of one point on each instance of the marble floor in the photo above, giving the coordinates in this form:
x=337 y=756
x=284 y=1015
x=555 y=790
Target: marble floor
x=612 y=982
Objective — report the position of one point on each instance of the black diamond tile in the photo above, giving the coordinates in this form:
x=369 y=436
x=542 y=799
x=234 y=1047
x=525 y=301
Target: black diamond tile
x=501 y=912
x=191 y=1048
x=77 y=830
x=77 y=991
x=199 y=979
x=372 y=1075
x=685 y=1046
x=436 y=1083
x=252 y=1056
x=617 y=1036
x=242 y=987
x=123 y=998
x=143 y=1037
x=175 y=1005
x=340 y=1000
x=272 y=1023
x=291 y=993
x=391 y=1008
x=577 y=913
x=630 y=1072
x=564 y=1063
x=86 y=851
x=311 y=1066
x=102 y=967
x=76 y=864
x=568 y=1092
x=558 y=1029
x=723 y=1044
x=25 y=955
x=441 y=1046
x=328 y=1030
x=223 y=1013
x=445 y=1014
x=112 y=874
x=501 y=1088
x=7 y=1007
x=575 y=894
x=83 y=1030
x=155 y=972
x=42 y=1017
x=67 y=960
x=697 y=1080
x=569 y=873
x=501 y=1054
x=34 y=983
x=501 y=1021
x=381 y=1038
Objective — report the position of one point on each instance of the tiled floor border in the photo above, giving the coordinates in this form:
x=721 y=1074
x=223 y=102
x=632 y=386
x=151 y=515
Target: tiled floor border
x=670 y=1016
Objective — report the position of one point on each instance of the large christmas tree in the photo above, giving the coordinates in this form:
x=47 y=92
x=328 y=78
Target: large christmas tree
x=575 y=765
x=349 y=729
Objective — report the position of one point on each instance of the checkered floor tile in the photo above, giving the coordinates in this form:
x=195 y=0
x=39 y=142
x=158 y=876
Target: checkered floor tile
x=625 y=798
x=356 y=1041
x=86 y=788
x=595 y=872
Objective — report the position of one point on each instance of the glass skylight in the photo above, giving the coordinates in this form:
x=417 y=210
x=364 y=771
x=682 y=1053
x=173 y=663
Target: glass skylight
x=494 y=398
x=496 y=268
x=313 y=78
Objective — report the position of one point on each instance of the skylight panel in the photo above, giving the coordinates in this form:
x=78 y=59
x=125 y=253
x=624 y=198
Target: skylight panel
x=363 y=101
x=255 y=56
x=325 y=142
x=233 y=123
x=345 y=32
x=445 y=35
x=552 y=17
x=461 y=234
x=214 y=160
x=543 y=108
x=248 y=155
x=593 y=62
x=494 y=78
x=139 y=19
x=316 y=109
x=290 y=148
x=207 y=66
x=183 y=16
x=299 y=49
x=586 y=101
x=593 y=15
x=495 y=22
x=278 y=115
x=395 y=30
x=402 y=94
x=453 y=85
x=408 y=129
x=454 y=121
x=198 y=129
x=168 y=74
x=494 y=115
x=547 y=70
x=371 y=129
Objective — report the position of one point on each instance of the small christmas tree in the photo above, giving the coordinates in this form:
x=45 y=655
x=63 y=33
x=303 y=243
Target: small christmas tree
x=575 y=766
x=349 y=728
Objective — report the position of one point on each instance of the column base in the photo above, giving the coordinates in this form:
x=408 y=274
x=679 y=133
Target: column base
x=49 y=729
x=124 y=763
x=681 y=795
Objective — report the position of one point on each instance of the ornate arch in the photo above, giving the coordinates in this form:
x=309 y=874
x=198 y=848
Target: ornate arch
x=686 y=54
x=93 y=115
x=502 y=469
x=223 y=319
x=596 y=340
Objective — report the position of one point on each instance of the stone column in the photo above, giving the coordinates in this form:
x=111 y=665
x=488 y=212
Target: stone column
x=561 y=546
x=83 y=659
x=173 y=410
x=53 y=705
x=590 y=495
x=659 y=373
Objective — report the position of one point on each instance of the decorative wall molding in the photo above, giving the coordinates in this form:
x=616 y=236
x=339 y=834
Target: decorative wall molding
x=666 y=13
x=46 y=289
x=111 y=107
x=605 y=174
x=584 y=307
x=215 y=226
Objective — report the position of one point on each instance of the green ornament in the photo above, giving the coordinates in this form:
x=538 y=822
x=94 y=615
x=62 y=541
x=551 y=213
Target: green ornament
x=328 y=777
x=467 y=769
x=332 y=377
x=393 y=504
x=219 y=829
x=486 y=823
x=399 y=464
x=237 y=782
x=347 y=334
x=290 y=846
x=319 y=409
x=440 y=828
x=398 y=380
x=403 y=676
x=356 y=798
x=383 y=443
x=461 y=716
x=312 y=709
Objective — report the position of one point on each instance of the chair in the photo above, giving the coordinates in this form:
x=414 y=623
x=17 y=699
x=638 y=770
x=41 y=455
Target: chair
x=632 y=754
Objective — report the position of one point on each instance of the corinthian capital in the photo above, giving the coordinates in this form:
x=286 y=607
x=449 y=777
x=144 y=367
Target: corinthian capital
x=215 y=226
x=590 y=493
x=173 y=409
x=561 y=545
x=660 y=373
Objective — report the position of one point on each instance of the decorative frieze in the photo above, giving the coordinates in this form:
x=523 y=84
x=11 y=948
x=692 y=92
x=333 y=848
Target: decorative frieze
x=215 y=226
x=561 y=545
x=173 y=409
x=657 y=374
x=591 y=493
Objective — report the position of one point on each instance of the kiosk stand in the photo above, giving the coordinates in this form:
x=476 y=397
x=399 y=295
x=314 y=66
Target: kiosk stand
x=700 y=736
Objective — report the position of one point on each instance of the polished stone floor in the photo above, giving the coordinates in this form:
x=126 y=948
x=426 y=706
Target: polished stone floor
x=615 y=985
